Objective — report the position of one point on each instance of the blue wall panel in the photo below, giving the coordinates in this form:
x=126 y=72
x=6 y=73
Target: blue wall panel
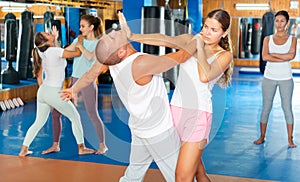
x=195 y=14
x=132 y=10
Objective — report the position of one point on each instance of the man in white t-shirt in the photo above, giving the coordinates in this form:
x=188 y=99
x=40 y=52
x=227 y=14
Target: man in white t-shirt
x=140 y=86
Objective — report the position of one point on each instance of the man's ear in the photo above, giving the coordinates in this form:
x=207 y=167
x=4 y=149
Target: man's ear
x=122 y=53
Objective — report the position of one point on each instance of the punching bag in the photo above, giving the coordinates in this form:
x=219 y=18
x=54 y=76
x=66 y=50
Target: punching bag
x=267 y=29
x=25 y=45
x=57 y=23
x=171 y=75
x=249 y=40
x=10 y=76
x=48 y=19
x=243 y=37
x=256 y=34
x=153 y=22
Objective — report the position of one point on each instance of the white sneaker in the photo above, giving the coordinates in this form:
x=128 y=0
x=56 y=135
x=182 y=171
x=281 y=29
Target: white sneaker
x=20 y=101
x=11 y=104
x=7 y=104
x=2 y=106
x=16 y=102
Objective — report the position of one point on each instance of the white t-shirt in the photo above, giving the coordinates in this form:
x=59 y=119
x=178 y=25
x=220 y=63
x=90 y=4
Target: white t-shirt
x=190 y=92
x=279 y=70
x=147 y=105
x=53 y=66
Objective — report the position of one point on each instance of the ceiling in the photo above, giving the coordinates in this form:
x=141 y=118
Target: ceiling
x=99 y=4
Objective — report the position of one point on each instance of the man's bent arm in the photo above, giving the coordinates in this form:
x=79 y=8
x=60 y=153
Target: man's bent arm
x=89 y=76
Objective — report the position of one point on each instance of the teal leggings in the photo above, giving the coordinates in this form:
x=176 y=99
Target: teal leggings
x=48 y=97
x=286 y=88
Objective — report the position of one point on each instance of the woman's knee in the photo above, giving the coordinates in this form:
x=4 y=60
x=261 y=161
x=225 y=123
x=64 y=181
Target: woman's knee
x=183 y=174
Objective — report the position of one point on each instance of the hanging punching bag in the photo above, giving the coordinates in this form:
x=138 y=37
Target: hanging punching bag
x=25 y=45
x=10 y=76
x=153 y=22
x=169 y=25
x=267 y=29
x=256 y=34
x=48 y=18
x=57 y=23
x=171 y=75
x=249 y=40
x=243 y=40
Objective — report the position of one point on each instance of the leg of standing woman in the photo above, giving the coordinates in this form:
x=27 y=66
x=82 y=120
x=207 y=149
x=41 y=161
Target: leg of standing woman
x=286 y=89
x=42 y=113
x=268 y=92
x=90 y=99
x=69 y=110
x=56 y=130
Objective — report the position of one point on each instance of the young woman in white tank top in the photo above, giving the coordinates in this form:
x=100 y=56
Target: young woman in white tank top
x=278 y=50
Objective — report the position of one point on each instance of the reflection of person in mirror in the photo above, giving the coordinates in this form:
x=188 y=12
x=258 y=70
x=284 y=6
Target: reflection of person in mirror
x=278 y=50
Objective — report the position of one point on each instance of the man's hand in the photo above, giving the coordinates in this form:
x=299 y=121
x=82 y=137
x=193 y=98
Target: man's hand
x=67 y=94
x=124 y=25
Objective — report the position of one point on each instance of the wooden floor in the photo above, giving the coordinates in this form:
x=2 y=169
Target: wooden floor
x=15 y=169
x=231 y=153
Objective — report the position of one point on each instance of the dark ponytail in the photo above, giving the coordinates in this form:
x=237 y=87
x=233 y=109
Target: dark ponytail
x=41 y=45
x=37 y=62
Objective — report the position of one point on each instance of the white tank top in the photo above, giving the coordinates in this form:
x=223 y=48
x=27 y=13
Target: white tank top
x=279 y=70
x=190 y=92
x=147 y=105
x=53 y=66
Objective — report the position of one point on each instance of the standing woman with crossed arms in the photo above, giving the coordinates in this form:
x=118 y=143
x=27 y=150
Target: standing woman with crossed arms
x=278 y=50
x=51 y=61
x=92 y=29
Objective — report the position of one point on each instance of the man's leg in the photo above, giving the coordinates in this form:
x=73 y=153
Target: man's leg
x=164 y=148
x=140 y=160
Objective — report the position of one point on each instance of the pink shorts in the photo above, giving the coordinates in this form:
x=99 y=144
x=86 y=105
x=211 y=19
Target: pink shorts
x=192 y=125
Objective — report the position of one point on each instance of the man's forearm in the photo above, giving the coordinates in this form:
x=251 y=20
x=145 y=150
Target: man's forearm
x=87 y=78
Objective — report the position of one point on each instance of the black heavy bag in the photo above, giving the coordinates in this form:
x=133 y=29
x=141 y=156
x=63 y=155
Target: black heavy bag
x=256 y=34
x=249 y=40
x=243 y=37
x=267 y=29
x=57 y=23
x=9 y=75
x=152 y=22
x=10 y=40
x=171 y=75
x=169 y=26
x=48 y=19
x=25 y=45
